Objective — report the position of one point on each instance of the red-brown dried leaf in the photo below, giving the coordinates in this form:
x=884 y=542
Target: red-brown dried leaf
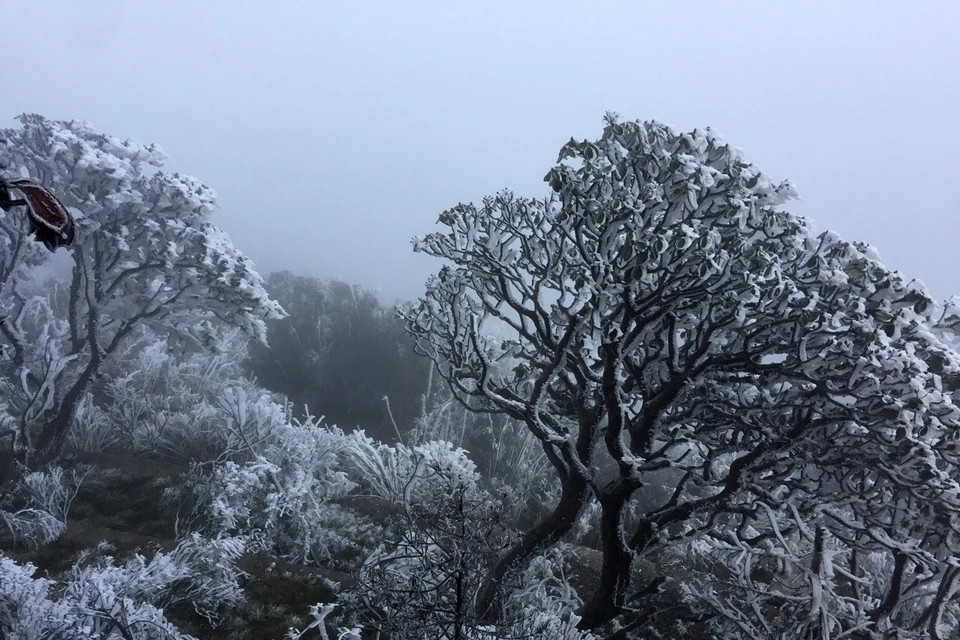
x=50 y=222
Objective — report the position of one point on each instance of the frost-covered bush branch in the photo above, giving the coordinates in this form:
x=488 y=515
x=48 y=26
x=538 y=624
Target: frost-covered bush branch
x=412 y=477
x=33 y=510
x=319 y=613
x=114 y=602
x=509 y=458
x=196 y=405
x=827 y=576
x=424 y=581
x=284 y=499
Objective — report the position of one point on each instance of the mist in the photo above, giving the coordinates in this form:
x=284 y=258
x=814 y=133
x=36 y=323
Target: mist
x=333 y=133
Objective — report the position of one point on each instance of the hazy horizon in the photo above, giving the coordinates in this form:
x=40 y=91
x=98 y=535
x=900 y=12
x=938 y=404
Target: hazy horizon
x=335 y=133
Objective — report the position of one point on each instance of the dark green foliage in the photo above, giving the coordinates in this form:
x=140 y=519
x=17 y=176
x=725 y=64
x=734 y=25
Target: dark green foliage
x=340 y=352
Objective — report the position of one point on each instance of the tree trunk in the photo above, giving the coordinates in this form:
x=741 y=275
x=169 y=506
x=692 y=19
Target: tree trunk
x=607 y=600
x=54 y=434
x=573 y=497
x=52 y=440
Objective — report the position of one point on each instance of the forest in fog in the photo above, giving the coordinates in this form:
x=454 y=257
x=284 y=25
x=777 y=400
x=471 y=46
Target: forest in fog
x=646 y=402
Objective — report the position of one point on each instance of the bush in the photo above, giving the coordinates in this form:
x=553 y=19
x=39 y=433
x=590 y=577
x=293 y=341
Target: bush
x=196 y=405
x=423 y=581
x=113 y=602
x=34 y=509
x=283 y=499
x=510 y=459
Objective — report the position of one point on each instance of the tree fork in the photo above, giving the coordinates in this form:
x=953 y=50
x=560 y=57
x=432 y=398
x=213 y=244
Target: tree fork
x=573 y=497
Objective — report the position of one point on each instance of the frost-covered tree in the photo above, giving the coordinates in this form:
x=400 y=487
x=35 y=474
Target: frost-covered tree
x=284 y=499
x=692 y=355
x=145 y=253
x=422 y=582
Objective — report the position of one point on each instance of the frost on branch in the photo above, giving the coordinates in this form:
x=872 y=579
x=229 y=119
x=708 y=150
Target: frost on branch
x=319 y=613
x=33 y=511
x=659 y=320
x=103 y=600
x=423 y=477
x=423 y=580
x=283 y=500
x=197 y=405
x=146 y=253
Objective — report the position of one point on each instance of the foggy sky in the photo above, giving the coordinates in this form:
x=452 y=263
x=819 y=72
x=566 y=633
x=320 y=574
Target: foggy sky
x=335 y=131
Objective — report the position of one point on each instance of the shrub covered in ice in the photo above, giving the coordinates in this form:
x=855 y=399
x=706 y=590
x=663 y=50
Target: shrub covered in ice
x=107 y=601
x=283 y=499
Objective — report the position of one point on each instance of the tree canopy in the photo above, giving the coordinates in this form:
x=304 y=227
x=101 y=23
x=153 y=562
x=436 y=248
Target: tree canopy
x=145 y=252
x=706 y=367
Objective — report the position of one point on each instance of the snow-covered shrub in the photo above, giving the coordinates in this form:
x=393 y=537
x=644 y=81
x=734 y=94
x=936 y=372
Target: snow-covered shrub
x=196 y=405
x=425 y=585
x=30 y=610
x=422 y=582
x=282 y=500
x=424 y=477
x=34 y=510
x=543 y=603
x=199 y=571
x=106 y=601
x=25 y=608
x=319 y=613
x=510 y=459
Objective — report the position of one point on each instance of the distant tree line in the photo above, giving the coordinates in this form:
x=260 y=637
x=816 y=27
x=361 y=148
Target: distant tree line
x=340 y=353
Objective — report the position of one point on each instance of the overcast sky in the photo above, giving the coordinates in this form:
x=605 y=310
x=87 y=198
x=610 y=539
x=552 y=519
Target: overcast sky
x=335 y=131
